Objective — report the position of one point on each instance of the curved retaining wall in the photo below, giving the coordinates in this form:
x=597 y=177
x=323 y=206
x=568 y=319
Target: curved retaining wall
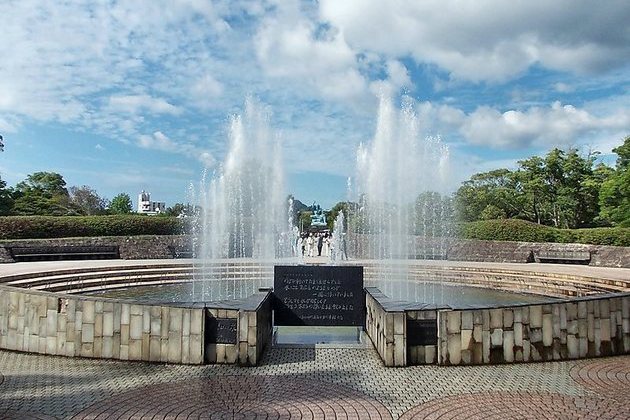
x=44 y=322
x=75 y=325
x=585 y=327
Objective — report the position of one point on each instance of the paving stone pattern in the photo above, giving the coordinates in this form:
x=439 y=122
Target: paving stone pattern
x=609 y=378
x=239 y=397
x=506 y=405
x=308 y=383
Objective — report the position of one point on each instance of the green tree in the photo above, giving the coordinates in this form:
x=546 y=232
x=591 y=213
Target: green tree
x=6 y=199
x=42 y=193
x=86 y=201
x=121 y=204
x=331 y=215
x=560 y=189
x=492 y=212
x=498 y=188
x=180 y=209
x=48 y=183
x=614 y=197
x=531 y=184
x=304 y=220
x=433 y=214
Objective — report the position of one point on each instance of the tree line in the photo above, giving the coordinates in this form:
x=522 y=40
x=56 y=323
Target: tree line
x=46 y=194
x=564 y=189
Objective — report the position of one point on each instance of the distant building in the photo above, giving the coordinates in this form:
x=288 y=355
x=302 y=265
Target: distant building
x=146 y=206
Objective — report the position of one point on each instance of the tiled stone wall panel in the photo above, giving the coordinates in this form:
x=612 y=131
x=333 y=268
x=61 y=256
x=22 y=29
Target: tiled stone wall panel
x=559 y=331
x=75 y=326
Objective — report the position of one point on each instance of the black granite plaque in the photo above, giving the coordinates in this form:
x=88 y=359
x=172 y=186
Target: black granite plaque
x=319 y=295
x=220 y=330
x=421 y=332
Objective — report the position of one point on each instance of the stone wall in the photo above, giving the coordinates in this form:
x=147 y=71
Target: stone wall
x=586 y=327
x=386 y=330
x=498 y=251
x=523 y=252
x=130 y=247
x=79 y=326
x=162 y=246
x=45 y=323
x=255 y=332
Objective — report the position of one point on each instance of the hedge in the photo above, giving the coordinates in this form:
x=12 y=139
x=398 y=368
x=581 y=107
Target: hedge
x=35 y=227
x=523 y=231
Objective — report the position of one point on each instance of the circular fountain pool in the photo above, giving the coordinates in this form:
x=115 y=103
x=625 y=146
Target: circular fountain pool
x=549 y=312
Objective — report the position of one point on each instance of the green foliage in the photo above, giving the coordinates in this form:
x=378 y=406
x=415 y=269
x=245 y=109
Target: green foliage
x=6 y=198
x=614 y=196
x=492 y=212
x=560 y=190
x=31 y=227
x=497 y=188
x=343 y=206
x=507 y=230
x=304 y=220
x=121 y=204
x=524 y=231
x=86 y=201
x=42 y=193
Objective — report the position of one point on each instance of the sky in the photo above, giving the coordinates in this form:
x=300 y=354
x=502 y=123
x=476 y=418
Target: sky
x=125 y=96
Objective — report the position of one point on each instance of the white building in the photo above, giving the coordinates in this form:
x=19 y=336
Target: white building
x=146 y=206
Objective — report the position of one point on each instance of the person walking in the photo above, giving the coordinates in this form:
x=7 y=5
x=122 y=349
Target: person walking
x=310 y=242
x=320 y=244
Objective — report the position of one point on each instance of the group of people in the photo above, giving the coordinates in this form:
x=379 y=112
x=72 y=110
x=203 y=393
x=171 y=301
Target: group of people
x=318 y=242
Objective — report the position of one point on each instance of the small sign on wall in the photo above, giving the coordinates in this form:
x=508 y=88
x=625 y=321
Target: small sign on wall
x=421 y=332
x=221 y=330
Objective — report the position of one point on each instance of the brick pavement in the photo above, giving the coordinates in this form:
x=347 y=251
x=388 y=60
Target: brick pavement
x=309 y=383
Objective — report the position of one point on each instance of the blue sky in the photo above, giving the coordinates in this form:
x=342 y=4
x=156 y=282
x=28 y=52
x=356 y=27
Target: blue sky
x=130 y=95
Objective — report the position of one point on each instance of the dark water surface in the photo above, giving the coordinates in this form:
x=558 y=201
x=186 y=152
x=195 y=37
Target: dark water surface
x=432 y=293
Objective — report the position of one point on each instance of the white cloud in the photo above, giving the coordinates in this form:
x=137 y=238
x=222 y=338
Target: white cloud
x=8 y=125
x=556 y=125
x=205 y=91
x=157 y=141
x=488 y=39
x=397 y=78
x=137 y=103
x=160 y=141
x=291 y=46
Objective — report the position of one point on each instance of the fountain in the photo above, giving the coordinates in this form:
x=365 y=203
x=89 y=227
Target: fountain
x=244 y=213
x=401 y=214
x=398 y=222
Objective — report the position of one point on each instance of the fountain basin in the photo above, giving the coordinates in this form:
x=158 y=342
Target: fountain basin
x=41 y=311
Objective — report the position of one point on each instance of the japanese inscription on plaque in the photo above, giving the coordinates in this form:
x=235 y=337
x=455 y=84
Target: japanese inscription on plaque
x=221 y=330
x=319 y=295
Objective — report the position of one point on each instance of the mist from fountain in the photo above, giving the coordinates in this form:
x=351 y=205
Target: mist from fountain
x=244 y=212
x=401 y=215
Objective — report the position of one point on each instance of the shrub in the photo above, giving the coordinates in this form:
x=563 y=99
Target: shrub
x=506 y=230
x=523 y=231
x=34 y=227
x=617 y=236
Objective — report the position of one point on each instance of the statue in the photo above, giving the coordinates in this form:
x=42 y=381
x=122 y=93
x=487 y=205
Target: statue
x=318 y=218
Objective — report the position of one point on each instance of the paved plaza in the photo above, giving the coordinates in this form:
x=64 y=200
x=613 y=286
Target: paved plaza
x=309 y=383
